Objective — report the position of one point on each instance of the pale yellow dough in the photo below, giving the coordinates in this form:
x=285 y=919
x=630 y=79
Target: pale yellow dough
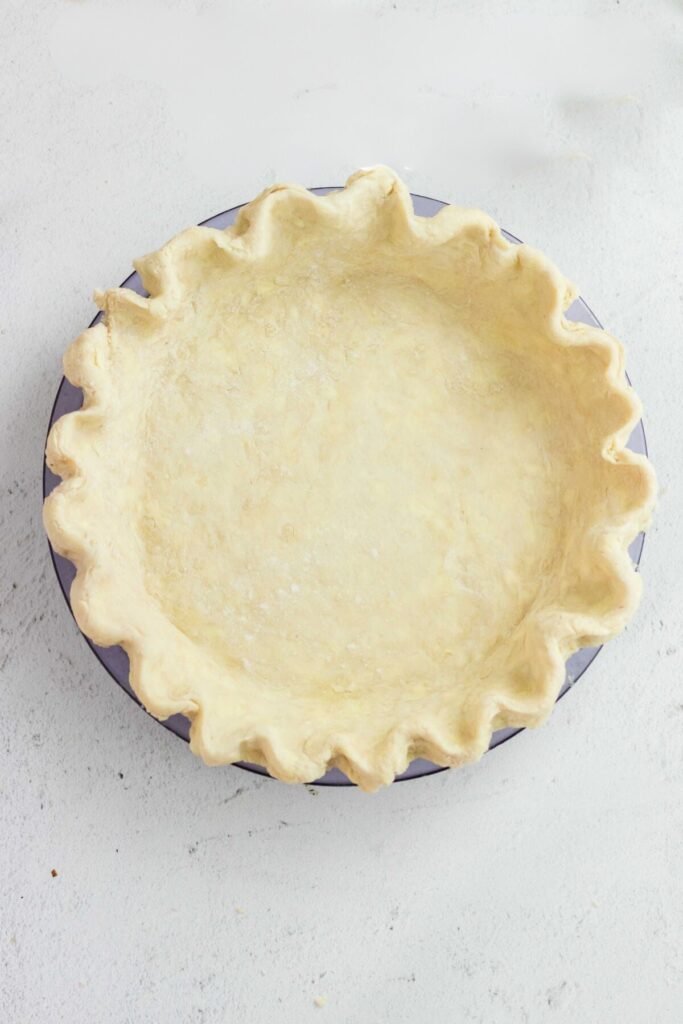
x=348 y=488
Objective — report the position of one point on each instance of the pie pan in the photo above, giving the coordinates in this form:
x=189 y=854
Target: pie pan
x=115 y=660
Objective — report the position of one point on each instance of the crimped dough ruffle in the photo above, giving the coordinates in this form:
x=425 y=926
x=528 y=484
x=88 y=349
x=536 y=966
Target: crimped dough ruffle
x=178 y=665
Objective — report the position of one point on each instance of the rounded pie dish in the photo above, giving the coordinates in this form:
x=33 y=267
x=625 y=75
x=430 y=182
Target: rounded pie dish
x=371 y=491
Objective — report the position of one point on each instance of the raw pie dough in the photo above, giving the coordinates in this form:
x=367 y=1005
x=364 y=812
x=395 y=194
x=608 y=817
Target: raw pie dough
x=347 y=487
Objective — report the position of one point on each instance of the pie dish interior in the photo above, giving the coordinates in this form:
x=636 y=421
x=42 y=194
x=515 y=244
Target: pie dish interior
x=347 y=487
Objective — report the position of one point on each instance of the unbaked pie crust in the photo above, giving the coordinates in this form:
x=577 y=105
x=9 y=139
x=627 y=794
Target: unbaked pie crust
x=348 y=487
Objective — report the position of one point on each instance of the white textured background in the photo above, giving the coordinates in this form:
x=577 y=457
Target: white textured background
x=543 y=884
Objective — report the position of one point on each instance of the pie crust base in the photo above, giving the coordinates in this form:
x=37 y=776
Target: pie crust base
x=348 y=487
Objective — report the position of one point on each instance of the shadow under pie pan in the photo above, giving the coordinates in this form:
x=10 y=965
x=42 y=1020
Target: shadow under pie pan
x=115 y=660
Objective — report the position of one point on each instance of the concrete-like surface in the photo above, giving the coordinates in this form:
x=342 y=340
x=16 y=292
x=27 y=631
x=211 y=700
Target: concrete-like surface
x=543 y=884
